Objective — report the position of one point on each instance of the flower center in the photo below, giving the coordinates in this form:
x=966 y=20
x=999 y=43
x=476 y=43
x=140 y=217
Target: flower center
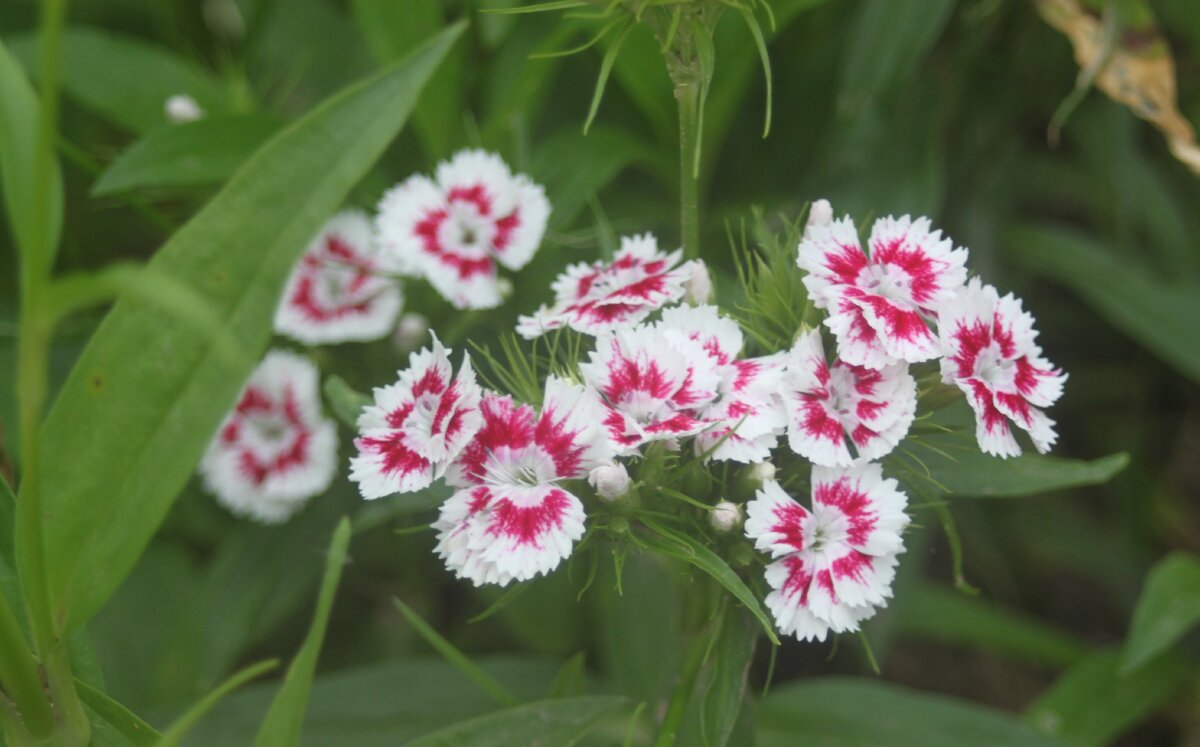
x=992 y=367
x=526 y=466
x=826 y=531
x=886 y=281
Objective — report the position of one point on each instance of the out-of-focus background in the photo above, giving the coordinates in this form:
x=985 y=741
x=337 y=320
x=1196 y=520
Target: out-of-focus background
x=929 y=107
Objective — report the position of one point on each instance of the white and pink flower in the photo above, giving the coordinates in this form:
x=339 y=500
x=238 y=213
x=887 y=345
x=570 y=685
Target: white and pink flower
x=274 y=451
x=746 y=418
x=834 y=564
x=832 y=406
x=598 y=298
x=991 y=354
x=417 y=426
x=654 y=383
x=335 y=293
x=880 y=304
x=511 y=519
x=454 y=230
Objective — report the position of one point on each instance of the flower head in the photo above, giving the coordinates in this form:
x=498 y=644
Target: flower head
x=835 y=563
x=879 y=303
x=830 y=403
x=274 y=451
x=334 y=294
x=598 y=298
x=746 y=419
x=991 y=354
x=416 y=426
x=511 y=519
x=654 y=382
x=455 y=229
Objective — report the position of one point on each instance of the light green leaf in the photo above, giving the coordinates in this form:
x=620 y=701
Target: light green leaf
x=345 y=403
x=1093 y=703
x=1168 y=608
x=207 y=151
x=847 y=712
x=549 y=723
x=19 y=109
x=151 y=389
x=113 y=725
x=948 y=616
x=606 y=64
x=1157 y=314
x=687 y=549
x=285 y=719
x=126 y=80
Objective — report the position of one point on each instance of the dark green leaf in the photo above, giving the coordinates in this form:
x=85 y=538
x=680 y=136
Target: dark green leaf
x=1093 y=703
x=571 y=679
x=550 y=723
x=203 y=152
x=1168 y=608
x=725 y=693
x=184 y=723
x=845 y=712
x=886 y=41
x=1155 y=313
x=113 y=725
x=687 y=549
x=152 y=390
x=285 y=718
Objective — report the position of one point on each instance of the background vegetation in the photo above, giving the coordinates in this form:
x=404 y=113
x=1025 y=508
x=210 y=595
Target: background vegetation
x=934 y=107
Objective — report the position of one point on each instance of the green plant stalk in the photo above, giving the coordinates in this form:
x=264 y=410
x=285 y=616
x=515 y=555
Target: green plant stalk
x=687 y=96
x=682 y=693
x=19 y=676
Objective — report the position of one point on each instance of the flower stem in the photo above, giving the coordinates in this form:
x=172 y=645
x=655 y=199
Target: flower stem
x=677 y=706
x=687 y=95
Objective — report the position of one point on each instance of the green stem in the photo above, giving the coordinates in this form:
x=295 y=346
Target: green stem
x=682 y=693
x=687 y=95
x=19 y=676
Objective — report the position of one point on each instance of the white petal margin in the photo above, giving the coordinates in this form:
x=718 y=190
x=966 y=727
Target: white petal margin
x=275 y=450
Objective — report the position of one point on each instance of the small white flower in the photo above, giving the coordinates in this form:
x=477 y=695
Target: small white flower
x=698 y=289
x=611 y=481
x=182 y=108
x=762 y=472
x=410 y=331
x=725 y=516
x=820 y=214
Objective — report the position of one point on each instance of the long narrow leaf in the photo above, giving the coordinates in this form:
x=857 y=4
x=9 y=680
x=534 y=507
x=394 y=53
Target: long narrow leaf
x=171 y=737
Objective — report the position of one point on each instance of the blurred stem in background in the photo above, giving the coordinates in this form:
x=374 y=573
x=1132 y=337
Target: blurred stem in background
x=687 y=94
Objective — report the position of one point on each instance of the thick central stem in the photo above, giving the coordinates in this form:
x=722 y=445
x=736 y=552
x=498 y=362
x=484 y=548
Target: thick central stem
x=687 y=95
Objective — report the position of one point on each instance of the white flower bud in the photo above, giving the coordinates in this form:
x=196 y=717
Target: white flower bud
x=410 y=332
x=182 y=108
x=725 y=516
x=698 y=288
x=820 y=214
x=505 y=286
x=611 y=481
x=762 y=472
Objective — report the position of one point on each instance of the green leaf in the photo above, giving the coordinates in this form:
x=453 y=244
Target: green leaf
x=549 y=723
x=126 y=80
x=455 y=657
x=1168 y=608
x=19 y=109
x=847 y=712
x=687 y=549
x=965 y=471
x=344 y=401
x=207 y=151
x=152 y=390
x=1157 y=314
x=887 y=40
x=725 y=691
x=571 y=679
x=113 y=725
x=392 y=30
x=1093 y=703
x=941 y=614
x=284 y=720
x=184 y=723
x=606 y=64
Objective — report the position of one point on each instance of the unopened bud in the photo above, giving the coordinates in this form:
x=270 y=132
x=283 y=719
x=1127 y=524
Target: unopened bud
x=698 y=288
x=611 y=481
x=820 y=214
x=762 y=472
x=182 y=108
x=410 y=332
x=725 y=516
x=505 y=286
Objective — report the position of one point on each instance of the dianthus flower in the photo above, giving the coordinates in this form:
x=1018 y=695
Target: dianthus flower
x=511 y=518
x=830 y=403
x=334 y=293
x=598 y=298
x=835 y=563
x=415 y=427
x=879 y=304
x=274 y=451
x=454 y=230
x=654 y=383
x=991 y=354
x=746 y=417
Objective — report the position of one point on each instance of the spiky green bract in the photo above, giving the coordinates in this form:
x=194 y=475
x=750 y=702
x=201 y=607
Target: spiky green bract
x=774 y=303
